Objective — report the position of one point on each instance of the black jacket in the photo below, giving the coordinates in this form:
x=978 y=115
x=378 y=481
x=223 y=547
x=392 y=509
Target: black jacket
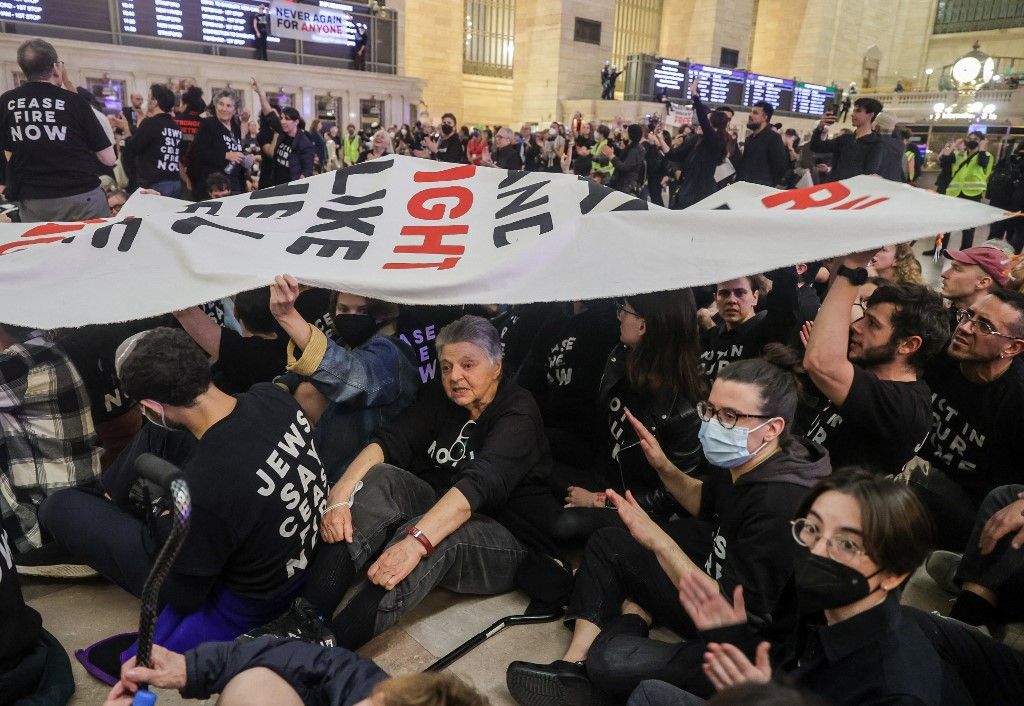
x=753 y=543
x=699 y=158
x=629 y=168
x=330 y=676
x=851 y=155
x=764 y=160
x=892 y=154
x=451 y=149
x=508 y=157
x=670 y=416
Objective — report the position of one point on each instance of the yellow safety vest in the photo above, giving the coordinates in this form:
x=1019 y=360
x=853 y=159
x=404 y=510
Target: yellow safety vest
x=969 y=177
x=601 y=168
x=350 y=148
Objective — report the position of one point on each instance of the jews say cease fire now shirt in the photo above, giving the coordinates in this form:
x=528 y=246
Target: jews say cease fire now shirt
x=258 y=488
x=158 y=146
x=53 y=136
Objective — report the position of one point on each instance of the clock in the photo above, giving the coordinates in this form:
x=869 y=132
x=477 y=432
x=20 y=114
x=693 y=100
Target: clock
x=967 y=69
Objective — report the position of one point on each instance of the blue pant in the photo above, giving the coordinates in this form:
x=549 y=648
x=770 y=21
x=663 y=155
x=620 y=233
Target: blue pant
x=171 y=187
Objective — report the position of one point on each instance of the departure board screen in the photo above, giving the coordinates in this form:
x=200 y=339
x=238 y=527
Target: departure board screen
x=812 y=99
x=85 y=14
x=778 y=92
x=670 y=79
x=717 y=85
x=210 y=21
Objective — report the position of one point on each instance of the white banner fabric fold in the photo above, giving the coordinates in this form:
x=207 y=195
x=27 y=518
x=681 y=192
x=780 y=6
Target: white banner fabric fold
x=419 y=232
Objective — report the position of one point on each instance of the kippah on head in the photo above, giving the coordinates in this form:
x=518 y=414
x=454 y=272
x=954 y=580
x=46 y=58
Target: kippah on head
x=125 y=350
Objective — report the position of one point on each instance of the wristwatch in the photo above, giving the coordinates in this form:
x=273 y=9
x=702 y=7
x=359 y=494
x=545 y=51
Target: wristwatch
x=856 y=276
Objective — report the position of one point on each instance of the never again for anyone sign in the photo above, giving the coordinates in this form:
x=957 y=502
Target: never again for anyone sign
x=420 y=232
x=311 y=23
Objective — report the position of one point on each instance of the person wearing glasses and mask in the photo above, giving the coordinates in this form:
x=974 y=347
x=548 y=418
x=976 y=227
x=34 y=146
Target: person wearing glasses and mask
x=977 y=405
x=735 y=532
x=652 y=373
x=857 y=538
x=436 y=490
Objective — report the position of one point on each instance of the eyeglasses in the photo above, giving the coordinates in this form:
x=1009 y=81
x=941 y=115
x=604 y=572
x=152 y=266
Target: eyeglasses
x=840 y=547
x=963 y=316
x=621 y=308
x=726 y=417
x=738 y=293
x=457 y=451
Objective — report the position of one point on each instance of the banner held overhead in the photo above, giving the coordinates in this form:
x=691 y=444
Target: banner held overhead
x=414 y=231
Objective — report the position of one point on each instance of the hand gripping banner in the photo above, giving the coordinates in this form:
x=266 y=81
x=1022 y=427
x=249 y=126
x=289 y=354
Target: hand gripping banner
x=419 y=232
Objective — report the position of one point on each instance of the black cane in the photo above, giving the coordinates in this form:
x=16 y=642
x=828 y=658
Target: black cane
x=507 y=621
x=167 y=476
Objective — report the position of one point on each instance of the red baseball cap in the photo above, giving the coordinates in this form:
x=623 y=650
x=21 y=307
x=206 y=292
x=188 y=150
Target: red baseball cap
x=993 y=261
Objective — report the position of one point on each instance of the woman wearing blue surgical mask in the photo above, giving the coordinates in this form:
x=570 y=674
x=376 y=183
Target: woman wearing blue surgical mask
x=734 y=529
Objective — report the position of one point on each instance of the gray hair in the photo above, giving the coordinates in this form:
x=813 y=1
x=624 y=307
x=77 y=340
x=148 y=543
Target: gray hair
x=225 y=93
x=506 y=133
x=472 y=329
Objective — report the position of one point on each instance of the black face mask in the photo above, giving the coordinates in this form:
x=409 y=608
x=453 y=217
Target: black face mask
x=823 y=583
x=447 y=129
x=355 y=329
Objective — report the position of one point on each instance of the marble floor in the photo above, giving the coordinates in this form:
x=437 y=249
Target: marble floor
x=80 y=613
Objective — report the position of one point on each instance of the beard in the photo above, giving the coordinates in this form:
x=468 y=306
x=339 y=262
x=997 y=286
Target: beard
x=878 y=355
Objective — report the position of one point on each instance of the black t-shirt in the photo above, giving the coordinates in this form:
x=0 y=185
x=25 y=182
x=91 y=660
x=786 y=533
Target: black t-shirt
x=419 y=325
x=880 y=427
x=54 y=136
x=157 y=146
x=213 y=142
x=20 y=626
x=262 y=20
x=257 y=490
x=977 y=427
x=518 y=327
x=244 y=361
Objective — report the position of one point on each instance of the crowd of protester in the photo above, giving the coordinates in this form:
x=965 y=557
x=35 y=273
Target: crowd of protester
x=758 y=465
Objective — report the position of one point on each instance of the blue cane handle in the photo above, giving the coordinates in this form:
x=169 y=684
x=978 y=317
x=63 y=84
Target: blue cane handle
x=144 y=697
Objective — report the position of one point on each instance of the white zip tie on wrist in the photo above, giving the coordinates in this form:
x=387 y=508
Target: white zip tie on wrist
x=344 y=503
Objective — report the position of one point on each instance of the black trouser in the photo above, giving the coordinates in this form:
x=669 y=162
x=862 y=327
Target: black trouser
x=952 y=510
x=992 y=672
x=967 y=240
x=1002 y=570
x=654 y=189
x=1010 y=229
x=261 y=48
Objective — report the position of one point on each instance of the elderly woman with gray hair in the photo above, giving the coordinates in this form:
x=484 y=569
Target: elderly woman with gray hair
x=443 y=490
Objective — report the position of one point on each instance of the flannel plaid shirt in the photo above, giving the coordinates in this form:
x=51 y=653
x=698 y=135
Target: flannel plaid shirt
x=47 y=438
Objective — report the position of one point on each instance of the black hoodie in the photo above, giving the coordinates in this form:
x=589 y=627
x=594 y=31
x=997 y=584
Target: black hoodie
x=753 y=544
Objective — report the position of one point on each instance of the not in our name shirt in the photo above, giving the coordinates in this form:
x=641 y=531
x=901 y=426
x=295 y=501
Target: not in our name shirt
x=157 y=144
x=977 y=427
x=53 y=136
x=880 y=427
x=258 y=488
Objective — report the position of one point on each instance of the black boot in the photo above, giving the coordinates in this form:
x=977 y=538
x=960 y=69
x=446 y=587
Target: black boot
x=560 y=683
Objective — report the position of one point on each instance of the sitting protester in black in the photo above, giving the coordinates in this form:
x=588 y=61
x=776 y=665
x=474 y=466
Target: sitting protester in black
x=858 y=538
x=33 y=665
x=563 y=371
x=519 y=327
x=743 y=332
x=738 y=535
x=445 y=491
x=257 y=489
x=879 y=409
x=653 y=373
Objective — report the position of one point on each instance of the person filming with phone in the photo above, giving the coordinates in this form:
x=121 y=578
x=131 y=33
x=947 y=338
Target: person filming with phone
x=853 y=154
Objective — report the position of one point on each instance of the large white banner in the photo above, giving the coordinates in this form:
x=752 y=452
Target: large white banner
x=422 y=232
x=311 y=23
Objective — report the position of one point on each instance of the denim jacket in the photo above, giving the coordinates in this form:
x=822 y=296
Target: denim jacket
x=367 y=387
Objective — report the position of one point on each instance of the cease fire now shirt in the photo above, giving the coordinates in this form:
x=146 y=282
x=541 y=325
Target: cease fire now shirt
x=53 y=136
x=258 y=488
x=157 y=144
x=880 y=427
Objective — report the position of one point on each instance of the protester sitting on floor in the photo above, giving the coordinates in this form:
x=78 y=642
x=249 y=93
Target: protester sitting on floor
x=34 y=668
x=738 y=534
x=879 y=410
x=742 y=332
x=278 y=672
x=654 y=374
x=351 y=388
x=257 y=489
x=259 y=353
x=47 y=439
x=862 y=536
x=977 y=387
x=896 y=263
x=563 y=372
x=450 y=491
